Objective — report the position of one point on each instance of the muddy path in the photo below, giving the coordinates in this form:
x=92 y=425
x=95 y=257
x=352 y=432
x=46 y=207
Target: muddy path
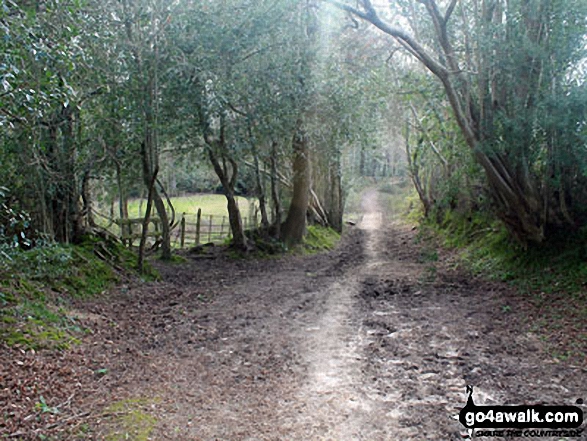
x=368 y=342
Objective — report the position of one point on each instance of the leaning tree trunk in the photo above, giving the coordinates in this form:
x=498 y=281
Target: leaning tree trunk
x=148 y=177
x=228 y=181
x=146 y=220
x=513 y=187
x=165 y=225
x=235 y=220
x=294 y=227
x=151 y=161
x=149 y=70
x=414 y=171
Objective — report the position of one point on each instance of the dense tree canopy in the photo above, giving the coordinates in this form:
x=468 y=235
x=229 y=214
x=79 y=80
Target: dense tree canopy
x=104 y=101
x=511 y=73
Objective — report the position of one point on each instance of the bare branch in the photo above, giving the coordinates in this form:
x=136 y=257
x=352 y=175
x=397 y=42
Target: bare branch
x=417 y=49
x=450 y=10
x=348 y=9
x=258 y=51
x=424 y=132
x=235 y=110
x=234 y=174
x=13 y=116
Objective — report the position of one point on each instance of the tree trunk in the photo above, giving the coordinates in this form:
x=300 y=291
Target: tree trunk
x=516 y=192
x=146 y=220
x=335 y=211
x=275 y=190
x=260 y=190
x=149 y=70
x=362 y=162
x=87 y=201
x=148 y=177
x=294 y=227
x=151 y=160
x=165 y=226
x=228 y=181
x=414 y=174
x=235 y=220
x=126 y=230
x=75 y=228
x=66 y=218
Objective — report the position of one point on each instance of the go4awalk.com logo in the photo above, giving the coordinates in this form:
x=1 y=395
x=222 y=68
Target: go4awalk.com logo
x=521 y=421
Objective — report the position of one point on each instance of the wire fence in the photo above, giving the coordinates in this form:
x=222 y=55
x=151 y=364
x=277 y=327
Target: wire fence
x=195 y=229
x=191 y=230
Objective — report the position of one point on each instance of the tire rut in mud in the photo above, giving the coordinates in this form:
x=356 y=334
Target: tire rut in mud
x=362 y=343
x=428 y=337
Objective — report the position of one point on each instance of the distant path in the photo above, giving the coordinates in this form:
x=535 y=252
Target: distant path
x=373 y=341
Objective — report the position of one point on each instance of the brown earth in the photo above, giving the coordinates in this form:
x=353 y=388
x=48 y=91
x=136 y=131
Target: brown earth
x=372 y=341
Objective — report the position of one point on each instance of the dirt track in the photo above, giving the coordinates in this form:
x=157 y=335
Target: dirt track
x=364 y=343
x=368 y=342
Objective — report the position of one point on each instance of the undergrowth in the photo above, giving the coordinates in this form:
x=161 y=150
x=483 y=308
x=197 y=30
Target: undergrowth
x=38 y=285
x=558 y=265
x=552 y=276
x=316 y=240
x=319 y=239
x=131 y=420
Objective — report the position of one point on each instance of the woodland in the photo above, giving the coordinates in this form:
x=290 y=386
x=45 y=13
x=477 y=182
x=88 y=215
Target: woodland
x=469 y=115
x=292 y=101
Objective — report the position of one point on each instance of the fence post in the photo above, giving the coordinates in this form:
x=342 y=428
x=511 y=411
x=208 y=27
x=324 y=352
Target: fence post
x=198 y=223
x=210 y=230
x=222 y=227
x=127 y=230
x=182 y=238
x=130 y=233
x=155 y=223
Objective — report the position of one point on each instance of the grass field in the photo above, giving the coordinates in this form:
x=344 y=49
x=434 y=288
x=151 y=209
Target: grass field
x=211 y=204
x=215 y=226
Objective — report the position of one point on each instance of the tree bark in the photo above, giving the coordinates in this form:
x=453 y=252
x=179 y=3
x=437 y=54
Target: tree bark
x=275 y=190
x=146 y=220
x=228 y=180
x=335 y=211
x=87 y=200
x=122 y=204
x=149 y=150
x=294 y=227
x=148 y=177
x=512 y=187
x=66 y=218
x=414 y=174
x=259 y=189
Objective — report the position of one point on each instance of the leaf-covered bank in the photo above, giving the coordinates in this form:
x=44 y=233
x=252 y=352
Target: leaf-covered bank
x=38 y=287
x=550 y=277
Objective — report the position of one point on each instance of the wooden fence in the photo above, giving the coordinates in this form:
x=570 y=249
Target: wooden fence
x=131 y=229
x=192 y=229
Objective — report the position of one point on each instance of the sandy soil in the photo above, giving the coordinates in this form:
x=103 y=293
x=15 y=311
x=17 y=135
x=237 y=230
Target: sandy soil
x=368 y=342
